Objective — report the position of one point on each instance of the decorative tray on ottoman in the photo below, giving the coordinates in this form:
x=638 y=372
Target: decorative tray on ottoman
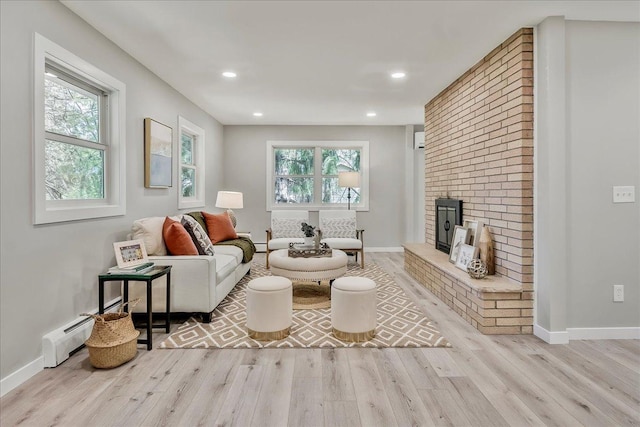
x=297 y=250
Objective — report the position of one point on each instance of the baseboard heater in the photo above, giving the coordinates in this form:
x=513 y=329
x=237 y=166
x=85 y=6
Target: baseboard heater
x=58 y=345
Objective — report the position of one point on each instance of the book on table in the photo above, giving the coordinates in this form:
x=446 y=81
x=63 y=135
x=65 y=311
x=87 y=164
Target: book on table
x=135 y=269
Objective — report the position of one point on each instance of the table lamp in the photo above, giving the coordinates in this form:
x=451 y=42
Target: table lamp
x=229 y=200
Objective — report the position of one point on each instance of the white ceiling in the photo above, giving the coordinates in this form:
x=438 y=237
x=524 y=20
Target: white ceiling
x=320 y=62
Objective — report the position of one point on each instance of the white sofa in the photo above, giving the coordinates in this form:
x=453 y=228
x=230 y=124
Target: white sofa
x=198 y=282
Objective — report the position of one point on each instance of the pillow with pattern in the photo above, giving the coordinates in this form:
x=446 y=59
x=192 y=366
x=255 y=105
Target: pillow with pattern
x=338 y=228
x=198 y=235
x=286 y=228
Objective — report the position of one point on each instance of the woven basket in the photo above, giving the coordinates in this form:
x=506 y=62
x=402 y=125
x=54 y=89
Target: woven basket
x=113 y=340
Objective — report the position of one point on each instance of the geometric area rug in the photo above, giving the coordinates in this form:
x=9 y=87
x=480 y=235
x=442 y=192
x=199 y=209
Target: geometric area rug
x=399 y=322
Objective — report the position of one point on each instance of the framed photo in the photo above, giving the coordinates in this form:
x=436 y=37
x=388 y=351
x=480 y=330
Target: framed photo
x=130 y=253
x=460 y=235
x=158 y=154
x=466 y=254
x=475 y=228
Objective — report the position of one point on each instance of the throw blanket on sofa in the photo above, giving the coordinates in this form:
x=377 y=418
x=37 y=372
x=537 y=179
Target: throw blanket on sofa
x=244 y=243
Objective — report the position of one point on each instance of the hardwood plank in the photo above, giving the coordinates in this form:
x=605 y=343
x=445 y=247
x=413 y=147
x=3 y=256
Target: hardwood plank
x=272 y=407
x=238 y=407
x=306 y=402
x=340 y=414
x=308 y=363
x=625 y=390
x=475 y=405
x=442 y=362
x=336 y=375
x=529 y=391
x=508 y=405
x=420 y=371
x=182 y=388
x=373 y=403
x=443 y=408
x=209 y=399
x=608 y=348
x=402 y=394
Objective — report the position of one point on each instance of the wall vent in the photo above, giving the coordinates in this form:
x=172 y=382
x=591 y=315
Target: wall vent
x=418 y=140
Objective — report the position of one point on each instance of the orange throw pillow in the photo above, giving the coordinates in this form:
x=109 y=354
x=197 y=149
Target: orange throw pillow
x=219 y=227
x=177 y=239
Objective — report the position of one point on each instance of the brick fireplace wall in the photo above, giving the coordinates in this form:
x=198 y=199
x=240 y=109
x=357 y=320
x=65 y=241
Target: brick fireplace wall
x=479 y=148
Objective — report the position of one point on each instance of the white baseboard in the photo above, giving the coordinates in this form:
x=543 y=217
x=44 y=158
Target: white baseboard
x=624 y=333
x=384 y=249
x=563 y=337
x=560 y=337
x=16 y=378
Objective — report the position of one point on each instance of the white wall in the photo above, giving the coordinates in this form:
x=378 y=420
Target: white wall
x=49 y=273
x=587 y=141
x=245 y=171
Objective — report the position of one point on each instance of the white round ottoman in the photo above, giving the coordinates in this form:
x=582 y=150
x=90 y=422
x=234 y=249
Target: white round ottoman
x=269 y=308
x=353 y=309
x=312 y=269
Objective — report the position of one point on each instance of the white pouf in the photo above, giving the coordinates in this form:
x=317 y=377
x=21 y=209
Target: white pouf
x=353 y=309
x=269 y=308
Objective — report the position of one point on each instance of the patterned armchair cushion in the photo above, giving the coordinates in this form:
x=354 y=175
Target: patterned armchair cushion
x=286 y=227
x=338 y=228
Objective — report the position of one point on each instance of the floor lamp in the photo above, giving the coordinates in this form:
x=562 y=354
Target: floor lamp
x=349 y=180
x=229 y=200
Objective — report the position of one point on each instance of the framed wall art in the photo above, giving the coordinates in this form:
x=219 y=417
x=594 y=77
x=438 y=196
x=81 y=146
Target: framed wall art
x=475 y=228
x=158 y=154
x=465 y=255
x=130 y=253
x=460 y=235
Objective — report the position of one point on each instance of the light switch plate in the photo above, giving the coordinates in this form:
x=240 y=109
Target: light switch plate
x=624 y=194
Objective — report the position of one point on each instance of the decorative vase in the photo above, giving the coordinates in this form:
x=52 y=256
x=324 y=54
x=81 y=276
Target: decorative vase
x=308 y=241
x=486 y=250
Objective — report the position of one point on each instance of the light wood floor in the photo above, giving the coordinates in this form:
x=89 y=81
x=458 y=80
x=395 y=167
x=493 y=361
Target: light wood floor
x=481 y=381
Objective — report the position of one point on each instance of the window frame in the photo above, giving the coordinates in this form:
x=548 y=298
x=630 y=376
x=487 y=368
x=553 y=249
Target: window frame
x=198 y=153
x=112 y=137
x=317 y=204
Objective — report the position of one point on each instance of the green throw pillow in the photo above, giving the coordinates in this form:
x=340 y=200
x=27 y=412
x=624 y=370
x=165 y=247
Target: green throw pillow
x=200 y=218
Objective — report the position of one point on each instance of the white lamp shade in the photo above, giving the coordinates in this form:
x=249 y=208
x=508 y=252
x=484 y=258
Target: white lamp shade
x=229 y=200
x=349 y=179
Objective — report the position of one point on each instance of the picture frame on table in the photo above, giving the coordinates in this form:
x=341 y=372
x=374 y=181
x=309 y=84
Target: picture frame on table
x=158 y=154
x=130 y=253
x=460 y=236
x=465 y=255
x=475 y=228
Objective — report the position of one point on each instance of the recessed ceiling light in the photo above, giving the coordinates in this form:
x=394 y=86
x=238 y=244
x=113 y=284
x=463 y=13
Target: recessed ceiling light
x=371 y=114
x=398 y=75
x=257 y=114
x=229 y=74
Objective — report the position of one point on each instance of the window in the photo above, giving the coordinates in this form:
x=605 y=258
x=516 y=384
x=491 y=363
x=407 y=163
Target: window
x=79 y=153
x=192 y=177
x=305 y=174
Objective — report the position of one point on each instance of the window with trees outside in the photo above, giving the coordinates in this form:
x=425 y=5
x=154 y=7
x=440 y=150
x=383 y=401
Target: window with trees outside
x=305 y=174
x=192 y=168
x=79 y=153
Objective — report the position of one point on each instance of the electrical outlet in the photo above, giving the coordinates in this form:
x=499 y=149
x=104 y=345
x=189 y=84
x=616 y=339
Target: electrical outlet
x=624 y=194
x=618 y=293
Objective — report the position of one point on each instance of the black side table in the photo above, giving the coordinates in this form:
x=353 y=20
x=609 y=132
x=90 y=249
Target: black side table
x=148 y=277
